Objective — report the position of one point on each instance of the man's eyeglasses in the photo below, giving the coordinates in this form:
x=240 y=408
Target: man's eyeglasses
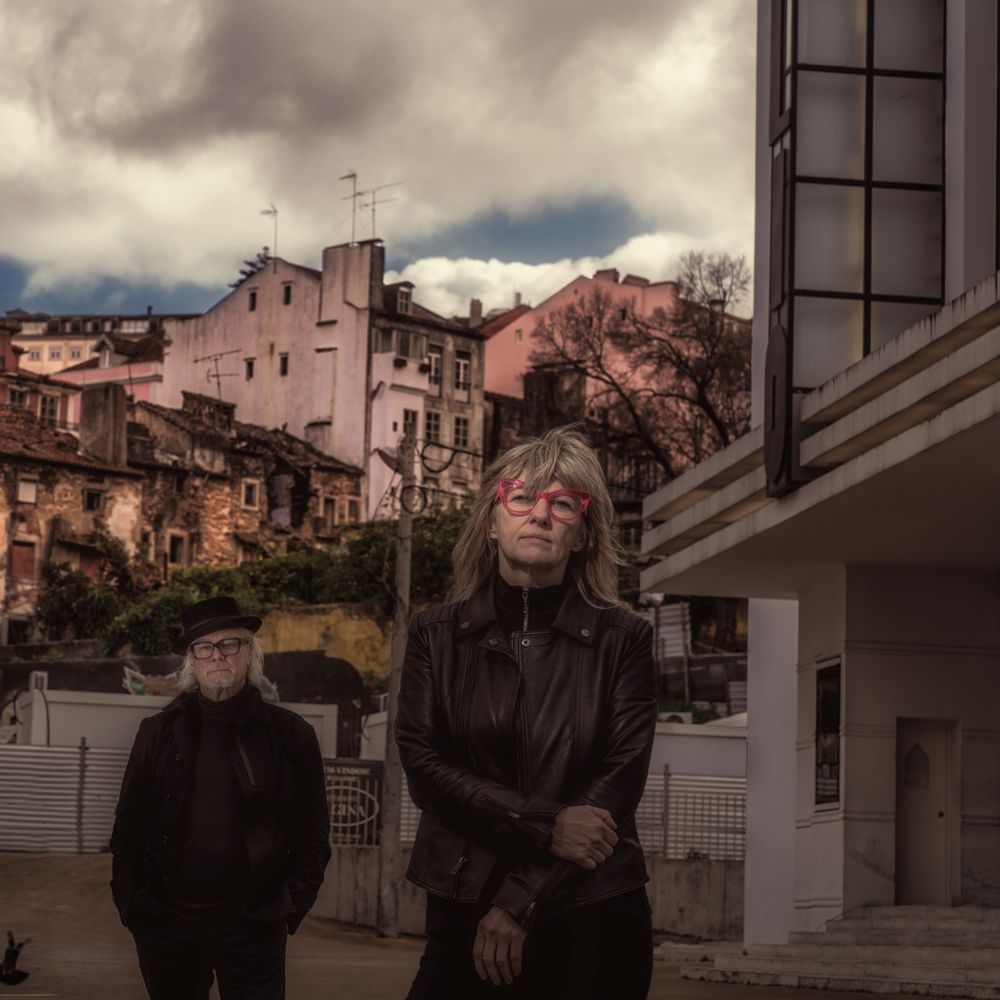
x=205 y=650
x=564 y=505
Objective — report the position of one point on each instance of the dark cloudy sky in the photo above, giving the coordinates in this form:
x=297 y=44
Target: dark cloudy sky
x=534 y=141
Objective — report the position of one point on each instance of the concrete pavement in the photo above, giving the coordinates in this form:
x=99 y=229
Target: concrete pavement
x=79 y=950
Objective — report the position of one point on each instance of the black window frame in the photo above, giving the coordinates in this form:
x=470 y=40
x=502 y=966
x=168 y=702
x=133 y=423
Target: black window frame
x=829 y=716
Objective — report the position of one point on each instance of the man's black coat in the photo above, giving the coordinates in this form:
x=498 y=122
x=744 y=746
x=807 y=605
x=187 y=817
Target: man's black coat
x=284 y=817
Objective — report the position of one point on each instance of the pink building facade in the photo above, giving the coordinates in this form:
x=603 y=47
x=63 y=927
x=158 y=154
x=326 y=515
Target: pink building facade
x=509 y=349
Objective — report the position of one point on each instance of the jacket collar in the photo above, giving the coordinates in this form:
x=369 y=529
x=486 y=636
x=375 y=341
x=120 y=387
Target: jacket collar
x=576 y=618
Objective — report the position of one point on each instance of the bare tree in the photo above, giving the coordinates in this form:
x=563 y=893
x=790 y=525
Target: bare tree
x=673 y=386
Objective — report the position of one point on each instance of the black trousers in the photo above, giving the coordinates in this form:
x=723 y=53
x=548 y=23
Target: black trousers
x=601 y=951
x=178 y=957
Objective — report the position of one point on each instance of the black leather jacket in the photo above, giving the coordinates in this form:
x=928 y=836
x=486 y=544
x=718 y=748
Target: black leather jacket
x=284 y=815
x=498 y=733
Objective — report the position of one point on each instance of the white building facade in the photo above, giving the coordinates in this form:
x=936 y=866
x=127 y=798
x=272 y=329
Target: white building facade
x=340 y=359
x=861 y=514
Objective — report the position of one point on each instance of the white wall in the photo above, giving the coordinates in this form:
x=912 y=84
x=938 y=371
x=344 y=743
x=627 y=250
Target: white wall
x=112 y=720
x=705 y=749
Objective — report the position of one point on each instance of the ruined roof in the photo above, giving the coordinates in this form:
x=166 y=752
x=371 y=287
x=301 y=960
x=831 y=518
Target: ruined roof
x=148 y=347
x=293 y=450
x=24 y=436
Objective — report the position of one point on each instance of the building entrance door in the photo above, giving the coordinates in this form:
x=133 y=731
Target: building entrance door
x=924 y=773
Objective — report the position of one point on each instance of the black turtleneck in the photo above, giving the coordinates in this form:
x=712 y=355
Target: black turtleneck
x=213 y=859
x=523 y=609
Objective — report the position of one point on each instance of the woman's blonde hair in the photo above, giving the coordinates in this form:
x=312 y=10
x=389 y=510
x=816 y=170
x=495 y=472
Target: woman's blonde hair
x=562 y=454
x=188 y=681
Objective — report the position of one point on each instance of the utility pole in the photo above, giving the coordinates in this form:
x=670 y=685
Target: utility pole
x=392 y=782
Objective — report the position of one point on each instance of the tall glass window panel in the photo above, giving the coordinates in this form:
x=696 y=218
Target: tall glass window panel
x=909 y=35
x=890 y=319
x=831 y=125
x=908 y=119
x=830 y=238
x=832 y=32
x=906 y=243
x=829 y=337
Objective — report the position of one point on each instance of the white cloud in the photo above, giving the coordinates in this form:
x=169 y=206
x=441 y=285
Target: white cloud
x=147 y=138
x=446 y=285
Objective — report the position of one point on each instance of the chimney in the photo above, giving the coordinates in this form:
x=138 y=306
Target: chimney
x=8 y=352
x=475 y=312
x=607 y=274
x=517 y=299
x=103 y=423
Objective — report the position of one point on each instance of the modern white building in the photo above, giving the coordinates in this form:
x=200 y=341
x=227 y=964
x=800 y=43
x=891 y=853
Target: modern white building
x=861 y=514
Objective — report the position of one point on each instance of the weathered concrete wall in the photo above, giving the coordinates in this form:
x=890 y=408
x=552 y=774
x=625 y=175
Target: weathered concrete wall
x=701 y=899
x=340 y=630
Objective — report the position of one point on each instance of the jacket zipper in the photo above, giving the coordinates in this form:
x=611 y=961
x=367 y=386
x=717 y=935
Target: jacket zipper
x=524 y=600
x=520 y=726
x=456 y=872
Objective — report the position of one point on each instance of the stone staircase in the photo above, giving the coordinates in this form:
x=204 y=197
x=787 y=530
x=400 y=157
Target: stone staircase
x=923 y=950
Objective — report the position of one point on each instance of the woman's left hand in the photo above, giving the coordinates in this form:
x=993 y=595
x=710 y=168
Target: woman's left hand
x=498 y=947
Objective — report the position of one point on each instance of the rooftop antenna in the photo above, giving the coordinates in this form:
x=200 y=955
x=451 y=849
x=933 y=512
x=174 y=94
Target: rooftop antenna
x=352 y=176
x=375 y=200
x=273 y=212
x=218 y=376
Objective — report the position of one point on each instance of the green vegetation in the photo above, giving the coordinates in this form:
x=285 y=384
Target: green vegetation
x=127 y=606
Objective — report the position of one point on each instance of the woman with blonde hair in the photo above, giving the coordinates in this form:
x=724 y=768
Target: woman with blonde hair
x=525 y=724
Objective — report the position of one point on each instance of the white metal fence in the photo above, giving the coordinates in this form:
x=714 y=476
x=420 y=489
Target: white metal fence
x=62 y=799
x=59 y=799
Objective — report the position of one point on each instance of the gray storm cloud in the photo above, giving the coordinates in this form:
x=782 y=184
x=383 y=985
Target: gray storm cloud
x=170 y=123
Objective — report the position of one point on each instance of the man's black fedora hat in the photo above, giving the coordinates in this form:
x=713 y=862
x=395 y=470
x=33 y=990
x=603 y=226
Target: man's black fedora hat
x=210 y=616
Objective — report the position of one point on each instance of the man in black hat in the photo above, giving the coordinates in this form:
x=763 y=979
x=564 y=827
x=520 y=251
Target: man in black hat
x=221 y=833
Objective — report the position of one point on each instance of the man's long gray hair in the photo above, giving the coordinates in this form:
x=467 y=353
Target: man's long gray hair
x=188 y=681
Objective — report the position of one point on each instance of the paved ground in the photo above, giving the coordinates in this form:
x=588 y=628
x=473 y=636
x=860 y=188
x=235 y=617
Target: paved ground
x=80 y=951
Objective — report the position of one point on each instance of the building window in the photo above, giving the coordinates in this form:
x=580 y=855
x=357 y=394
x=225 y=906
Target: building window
x=27 y=491
x=48 y=408
x=404 y=299
x=435 y=363
x=17 y=397
x=251 y=492
x=55 y=354
x=411 y=345
x=180 y=483
x=286 y=295
x=253 y=300
x=432 y=426
x=329 y=515
x=35 y=354
x=354 y=511
x=410 y=423
x=22 y=560
x=175 y=550
x=75 y=354
x=631 y=535
x=463 y=374
x=461 y=432
x=518 y=336
x=248 y=367
x=828 y=735
x=93 y=500
x=282 y=364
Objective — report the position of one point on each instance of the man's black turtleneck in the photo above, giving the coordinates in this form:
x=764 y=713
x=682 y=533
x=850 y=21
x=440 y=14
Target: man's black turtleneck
x=523 y=609
x=213 y=860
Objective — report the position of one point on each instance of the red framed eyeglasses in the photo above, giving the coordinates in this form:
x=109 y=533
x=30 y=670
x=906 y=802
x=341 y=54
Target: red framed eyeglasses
x=564 y=505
